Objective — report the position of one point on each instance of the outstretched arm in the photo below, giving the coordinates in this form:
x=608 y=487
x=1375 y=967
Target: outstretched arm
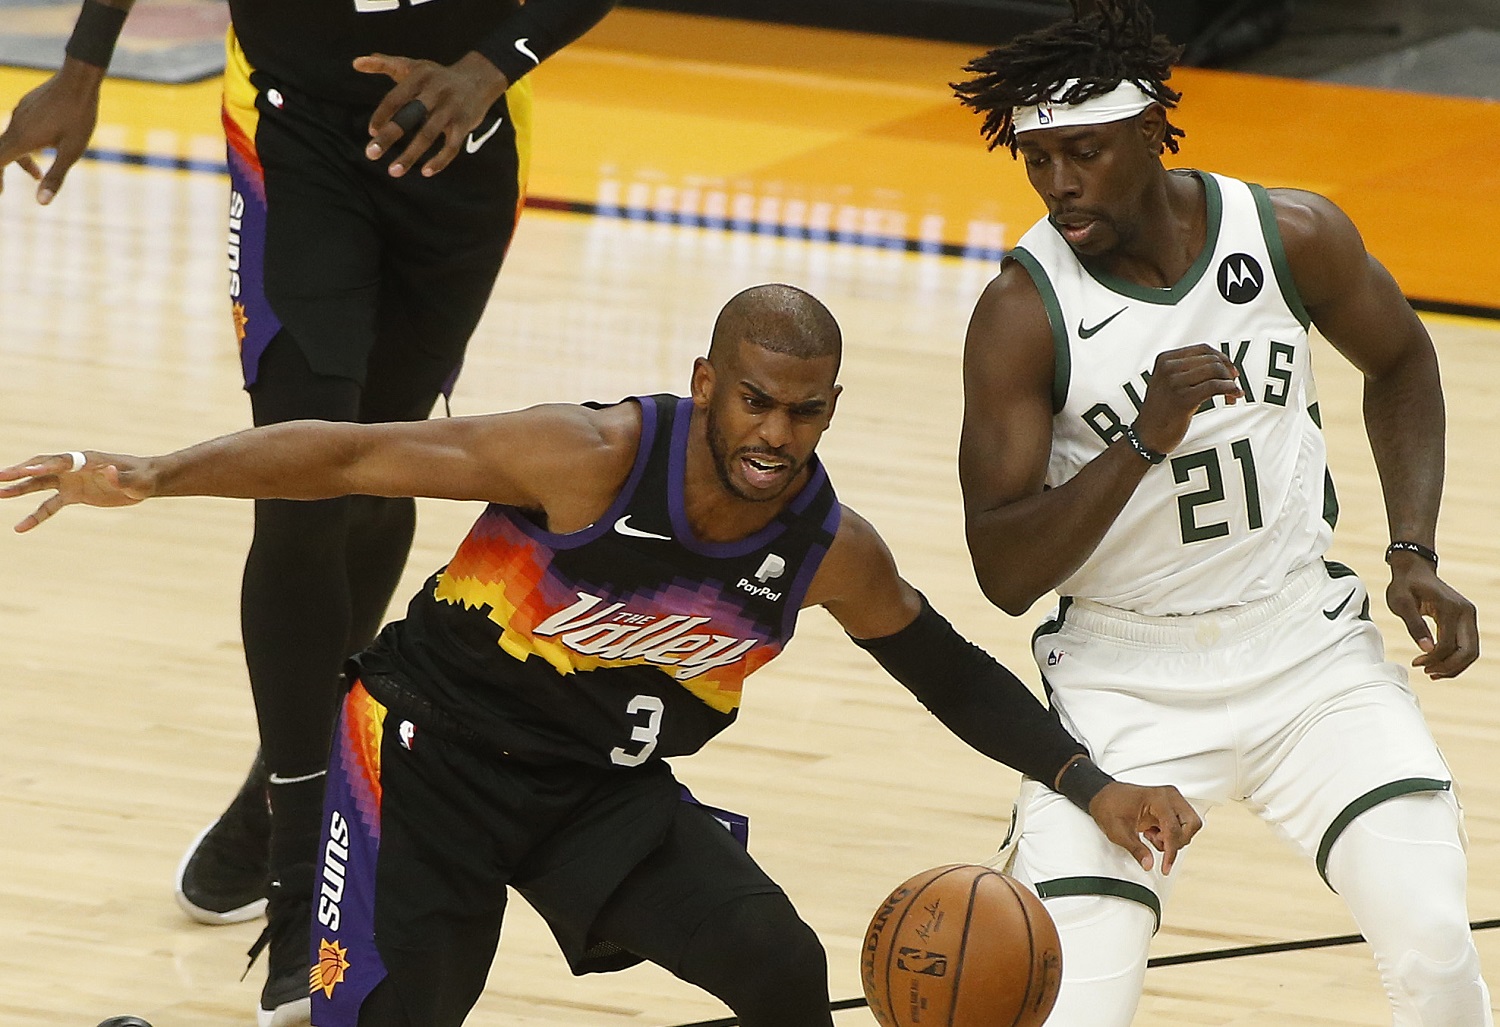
x=1360 y=309
x=61 y=112
x=503 y=458
x=979 y=700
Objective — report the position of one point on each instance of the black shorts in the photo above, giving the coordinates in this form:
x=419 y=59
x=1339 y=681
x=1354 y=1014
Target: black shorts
x=422 y=835
x=324 y=243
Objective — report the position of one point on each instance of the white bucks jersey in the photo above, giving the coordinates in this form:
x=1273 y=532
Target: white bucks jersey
x=1246 y=499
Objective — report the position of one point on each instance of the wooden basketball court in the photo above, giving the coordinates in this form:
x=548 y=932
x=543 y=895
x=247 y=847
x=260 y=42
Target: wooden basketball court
x=704 y=157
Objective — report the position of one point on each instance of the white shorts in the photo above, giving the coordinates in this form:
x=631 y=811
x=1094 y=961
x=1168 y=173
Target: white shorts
x=1286 y=705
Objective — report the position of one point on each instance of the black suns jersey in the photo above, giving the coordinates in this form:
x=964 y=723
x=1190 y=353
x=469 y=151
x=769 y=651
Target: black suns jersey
x=624 y=642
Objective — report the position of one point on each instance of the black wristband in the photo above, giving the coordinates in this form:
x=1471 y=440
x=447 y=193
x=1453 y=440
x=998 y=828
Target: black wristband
x=1402 y=546
x=95 y=33
x=1081 y=780
x=1147 y=454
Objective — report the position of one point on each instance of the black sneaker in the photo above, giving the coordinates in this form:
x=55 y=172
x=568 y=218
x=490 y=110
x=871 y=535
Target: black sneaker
x=285 y=1001
x=223 y=875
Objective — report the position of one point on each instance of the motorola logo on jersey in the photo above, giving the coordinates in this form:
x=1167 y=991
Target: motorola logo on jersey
x=1240 y=278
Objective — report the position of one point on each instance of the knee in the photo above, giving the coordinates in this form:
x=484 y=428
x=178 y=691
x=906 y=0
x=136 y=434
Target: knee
x=773 y=946
x=758 y=956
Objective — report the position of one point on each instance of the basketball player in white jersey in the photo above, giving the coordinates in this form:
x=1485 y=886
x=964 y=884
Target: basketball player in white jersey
x=1141 y=435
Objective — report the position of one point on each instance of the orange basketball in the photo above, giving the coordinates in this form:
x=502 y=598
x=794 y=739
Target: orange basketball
x=961 y=946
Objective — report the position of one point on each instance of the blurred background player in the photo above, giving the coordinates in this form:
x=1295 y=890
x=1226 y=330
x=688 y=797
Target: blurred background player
x=1141 y=434
x=512 y=729
x=368 y=221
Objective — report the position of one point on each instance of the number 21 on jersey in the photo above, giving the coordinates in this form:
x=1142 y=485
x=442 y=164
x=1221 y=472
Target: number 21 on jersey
x=1206 y=469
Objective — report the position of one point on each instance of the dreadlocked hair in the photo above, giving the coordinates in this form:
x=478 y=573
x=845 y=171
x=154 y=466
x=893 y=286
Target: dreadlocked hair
x=1115 y=41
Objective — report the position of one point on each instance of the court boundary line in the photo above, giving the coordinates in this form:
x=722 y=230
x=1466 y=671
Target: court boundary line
x=1207 y=956
x=746 y=226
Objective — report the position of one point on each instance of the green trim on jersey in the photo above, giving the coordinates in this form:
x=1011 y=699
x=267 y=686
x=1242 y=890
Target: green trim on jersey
x=1052 y=624
x=1330 y=494
x=1368 y=801
x=1277 y=248
x=1103 y=886
x=1168 y=297
x=1062 y=358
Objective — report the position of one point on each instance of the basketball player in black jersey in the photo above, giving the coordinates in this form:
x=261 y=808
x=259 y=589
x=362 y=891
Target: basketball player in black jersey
x=367 y=223
x=511 y=729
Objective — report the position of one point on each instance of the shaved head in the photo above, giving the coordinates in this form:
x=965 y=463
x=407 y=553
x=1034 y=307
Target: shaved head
x=779 y=318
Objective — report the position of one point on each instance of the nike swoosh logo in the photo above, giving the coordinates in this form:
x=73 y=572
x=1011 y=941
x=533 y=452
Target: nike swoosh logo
x=526 y=50
x=472 y=145
x=1089 y=333
x=277 y=779
x=624 y=528
x=1333 y=613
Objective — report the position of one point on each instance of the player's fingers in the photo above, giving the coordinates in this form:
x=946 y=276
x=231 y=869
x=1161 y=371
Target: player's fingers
x=1457 y=641
x=391 y=66
x=52 y=181
x=399 y=113
x=445 y=156
x=1405 y=608
x=1170 y=847
x=41 y=513
x=1128 y=837
x=27 y=485
x=24 y=469
x=420 y=144
x=29 y=165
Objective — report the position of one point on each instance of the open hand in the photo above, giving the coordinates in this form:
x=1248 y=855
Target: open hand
x=103 y=480
x=60 y=114
x=453 y=99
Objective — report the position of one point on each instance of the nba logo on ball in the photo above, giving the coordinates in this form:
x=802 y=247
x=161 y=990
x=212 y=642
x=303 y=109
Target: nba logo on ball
x=961 y=946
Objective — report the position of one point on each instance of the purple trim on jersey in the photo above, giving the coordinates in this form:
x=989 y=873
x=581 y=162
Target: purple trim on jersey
x=584 y=536
x=247 y=264
x=737 y=824
x=343 y=926
x=677 y=477
x=797 y=591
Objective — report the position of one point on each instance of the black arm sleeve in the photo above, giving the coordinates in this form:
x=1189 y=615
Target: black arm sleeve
x=537 y=31
x=974 y=696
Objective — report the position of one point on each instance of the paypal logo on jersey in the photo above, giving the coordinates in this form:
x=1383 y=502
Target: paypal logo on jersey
x=772 y=566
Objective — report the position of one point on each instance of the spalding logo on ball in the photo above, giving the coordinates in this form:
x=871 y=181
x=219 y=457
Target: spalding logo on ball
x=961 y=946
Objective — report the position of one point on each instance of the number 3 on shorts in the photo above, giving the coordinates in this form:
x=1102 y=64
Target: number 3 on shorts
x=644 y=733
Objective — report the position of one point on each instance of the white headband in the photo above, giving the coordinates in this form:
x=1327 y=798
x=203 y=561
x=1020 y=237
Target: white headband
x=1126 y=100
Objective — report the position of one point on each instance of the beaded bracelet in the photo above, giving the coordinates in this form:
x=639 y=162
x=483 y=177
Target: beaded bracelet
x=1143 y=451
x=1412 y=547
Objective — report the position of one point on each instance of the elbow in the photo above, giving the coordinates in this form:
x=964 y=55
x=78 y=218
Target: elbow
x=1006 y=595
